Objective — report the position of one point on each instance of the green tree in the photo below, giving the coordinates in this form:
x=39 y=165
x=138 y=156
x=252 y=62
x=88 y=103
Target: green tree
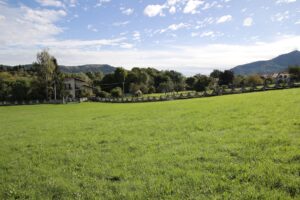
x=254 y=80
x=294 y=71
x=20 y=90
x=45 y=67
x=97 y=91
x=215 y=74
x=190 y=82
x=116 y=92
x=201 y=83
x=226 y=77
x=57 y=80
x=166 y=87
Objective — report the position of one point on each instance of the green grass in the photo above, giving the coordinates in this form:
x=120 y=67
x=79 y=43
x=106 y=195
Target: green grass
x=229 y=147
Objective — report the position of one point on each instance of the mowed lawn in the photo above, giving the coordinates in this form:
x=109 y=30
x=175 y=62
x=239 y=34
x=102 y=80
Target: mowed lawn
x=230 y=147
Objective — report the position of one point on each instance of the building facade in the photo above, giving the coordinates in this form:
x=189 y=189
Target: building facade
x=75 y=86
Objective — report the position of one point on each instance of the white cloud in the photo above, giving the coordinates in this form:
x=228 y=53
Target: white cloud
x=205 y=22
x=192 y=5
x=121 y=23
x=2 y=18
x=128 y=11
x=24 y=25
x=285 y=1
x=186 y=6
x=297 y=22
x=80 y=44
x=154 y=10
x=248 y=21
x=54 y=3
x=101 y=2
x=136 y=36
x=126 y=45
x=92 y=28
x=210 y=5
x=174 y=27
x=279 y=17
x=209 y=34
x=173 y=2
x=202 y=58
x=71 y=3
x=172 y=10
x=223 y=19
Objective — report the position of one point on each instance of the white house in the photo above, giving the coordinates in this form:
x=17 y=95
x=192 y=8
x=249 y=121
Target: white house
x=74 y=85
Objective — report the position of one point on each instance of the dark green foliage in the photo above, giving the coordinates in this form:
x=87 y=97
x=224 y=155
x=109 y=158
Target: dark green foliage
x=294 y=72
x=84 y=92
x=20 y=90
x=97 y=90
x=201 y=83
x=94 y=68
x=253 y=80
x=120 y=75
x=165 y=87
x=226 y=77
x=116 y=92
x=190 y=81
x=103 y=94
x=215 y=74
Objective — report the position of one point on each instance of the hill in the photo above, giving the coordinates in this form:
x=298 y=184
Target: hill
x=104 y=68
x=229 y=147
x=275 y=65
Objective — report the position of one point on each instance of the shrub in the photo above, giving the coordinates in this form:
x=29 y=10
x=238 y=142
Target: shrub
x=254 y=80
x=116 y=92
x=202 y=82
x=103 y=94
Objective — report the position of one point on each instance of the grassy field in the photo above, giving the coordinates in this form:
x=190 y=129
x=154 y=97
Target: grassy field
x=230 y=147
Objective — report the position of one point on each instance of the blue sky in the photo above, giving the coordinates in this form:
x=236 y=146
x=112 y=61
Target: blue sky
x=192 y=36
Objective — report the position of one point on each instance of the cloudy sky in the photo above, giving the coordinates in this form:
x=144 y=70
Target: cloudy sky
x=191 y=36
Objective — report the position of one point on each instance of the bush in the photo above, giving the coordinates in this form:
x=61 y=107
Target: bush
x=254 y=80
x=103 y=94
x=202 y=82
x=116 y=92
x=151 y=89
x=97 y=91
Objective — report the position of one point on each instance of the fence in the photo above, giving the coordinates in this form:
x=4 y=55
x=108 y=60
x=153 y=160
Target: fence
x=36 y=102
x=190 y=95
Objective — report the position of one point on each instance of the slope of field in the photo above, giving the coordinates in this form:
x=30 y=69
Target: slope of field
x=232 y=147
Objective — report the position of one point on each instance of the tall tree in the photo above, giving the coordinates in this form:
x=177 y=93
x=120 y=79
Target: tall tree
x=215 y=74
x=57 y=80
x=201 y=83
x=45 y=66
x=226 y=77
x=120 y=76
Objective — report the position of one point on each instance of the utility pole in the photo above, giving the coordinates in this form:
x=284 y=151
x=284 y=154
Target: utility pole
x=55 y=91
x=124 y=86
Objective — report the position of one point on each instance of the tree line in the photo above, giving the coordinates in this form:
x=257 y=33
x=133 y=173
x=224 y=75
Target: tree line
x=45 y=81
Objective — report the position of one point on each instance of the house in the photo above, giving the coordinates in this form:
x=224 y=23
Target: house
x=282 y=77
x=75 y=86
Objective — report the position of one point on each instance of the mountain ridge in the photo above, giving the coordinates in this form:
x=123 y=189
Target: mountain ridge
x=275 y=65
x=104 y=68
